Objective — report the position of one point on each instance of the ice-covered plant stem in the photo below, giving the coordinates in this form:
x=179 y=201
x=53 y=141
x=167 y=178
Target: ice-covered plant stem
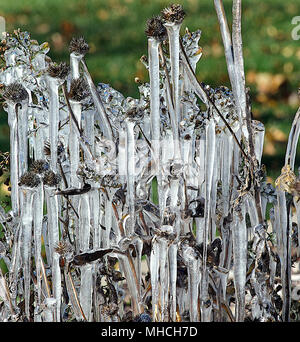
x=51 y=181
x=78 y=48
x=56 y=75
x=130 y=172
x=173 y=17
x=16 y=98
x=39 y=167
x=156 y=33
x=29 y=183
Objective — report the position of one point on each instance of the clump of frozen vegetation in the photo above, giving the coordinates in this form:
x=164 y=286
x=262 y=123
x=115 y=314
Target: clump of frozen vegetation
x=148 y=209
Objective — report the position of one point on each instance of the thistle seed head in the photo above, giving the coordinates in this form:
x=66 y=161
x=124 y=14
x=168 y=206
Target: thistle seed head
x=156 y=29
x=15 y=92
x=62 y=248
x=173 y=14
x=47 y=149
x=29 y=179
x=79 y=46
x=39 y=166
x=78 y=90
x=60 y=70
x=51 y=178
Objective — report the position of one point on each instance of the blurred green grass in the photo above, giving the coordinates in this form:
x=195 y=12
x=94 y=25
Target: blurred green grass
x=114 y=30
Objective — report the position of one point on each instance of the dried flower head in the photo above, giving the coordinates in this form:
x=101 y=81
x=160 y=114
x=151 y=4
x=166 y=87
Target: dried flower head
x=156 y=29
x=173 y=14
x=15 y=92
x=29 y=179
x=78 y=90
x=47 y=149
x=60 y=70
x=79 y=46
x=39 y=166
x=51 y=178
x=62 y=248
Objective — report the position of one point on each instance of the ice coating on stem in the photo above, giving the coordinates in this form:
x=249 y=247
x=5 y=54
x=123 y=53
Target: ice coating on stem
x=240 y=261
x=27 y=219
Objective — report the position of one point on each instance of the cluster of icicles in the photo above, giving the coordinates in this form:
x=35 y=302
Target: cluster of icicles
x=149 y=209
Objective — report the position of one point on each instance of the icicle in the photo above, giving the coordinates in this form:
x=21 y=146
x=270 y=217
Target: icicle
x=27 y=220
x=14 y=166
x=53 y=84
x=173 y=279
x=200 y=221
x=239 y=260
x=53 y=236
x=194 y=276
x=209 y=171
x=284 y=251
x=94 y=199
x=163 y=275
x=293 y=141
x=16 y=97
x=258 y=130
x=52 y=211
x=48 y=313
x=22 y=118
x=154 y=274
x=173 y=29
x=130 y=172
x=56 y=285
x=296 y=202
x=74 y=144
x=226 y=171
x=153 y=45
x=86 y=290
x=77 y=309
x=38 y=222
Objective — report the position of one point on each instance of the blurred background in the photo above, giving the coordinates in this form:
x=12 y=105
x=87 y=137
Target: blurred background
x=114 y=30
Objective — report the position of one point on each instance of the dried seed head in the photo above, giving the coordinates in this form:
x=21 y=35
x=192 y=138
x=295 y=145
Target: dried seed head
x=51 y=178
x=156 y=29
x=79 y=46
x=29 y=179
x=62 y=248
x=60 y=70
x=78 y=90
x=15 y=92
x=174 y=14
x=39 y=166
x=47 y=149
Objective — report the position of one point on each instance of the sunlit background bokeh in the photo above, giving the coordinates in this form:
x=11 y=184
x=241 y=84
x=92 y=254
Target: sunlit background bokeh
x=114 y=30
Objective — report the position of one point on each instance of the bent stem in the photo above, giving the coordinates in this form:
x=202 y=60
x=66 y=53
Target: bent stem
x=98 y=103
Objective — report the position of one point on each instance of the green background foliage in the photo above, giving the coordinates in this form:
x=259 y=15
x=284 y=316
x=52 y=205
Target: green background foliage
x=114 y=30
